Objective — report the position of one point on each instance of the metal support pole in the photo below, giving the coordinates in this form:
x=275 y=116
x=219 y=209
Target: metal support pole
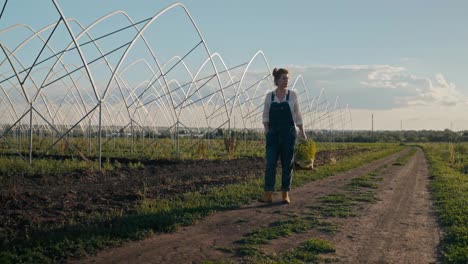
x=177 y=137
x=113 y=137
x=20 y=138
x=30 y=133
x=143 y=136
x=53 y=136
x=89 y=137
x=131 y=136
x=209 y=140
x=245 y=141
x=99 y=136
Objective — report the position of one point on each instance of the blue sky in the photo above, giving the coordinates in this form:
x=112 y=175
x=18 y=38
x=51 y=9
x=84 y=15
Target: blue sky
x=378 y=55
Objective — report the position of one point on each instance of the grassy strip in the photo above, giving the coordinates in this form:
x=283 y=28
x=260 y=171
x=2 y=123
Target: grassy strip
x=156 y=216
x=401 y=161
x=334 y=205
x=308 y=252
x=12 y=166
x=248 y=246
x=280 y=229
x=449 y=189
x=380 y=151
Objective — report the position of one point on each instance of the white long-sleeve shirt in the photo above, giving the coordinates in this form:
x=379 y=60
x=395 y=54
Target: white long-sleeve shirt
x=293 y=105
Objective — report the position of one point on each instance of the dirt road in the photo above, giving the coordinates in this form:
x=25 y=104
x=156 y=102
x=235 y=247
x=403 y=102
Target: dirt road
x=399 y=228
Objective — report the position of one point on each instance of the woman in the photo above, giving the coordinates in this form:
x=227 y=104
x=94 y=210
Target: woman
x=281 y=114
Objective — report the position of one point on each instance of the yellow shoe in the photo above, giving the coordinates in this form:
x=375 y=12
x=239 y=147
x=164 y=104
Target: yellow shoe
x=286 y=198
x=267 y=197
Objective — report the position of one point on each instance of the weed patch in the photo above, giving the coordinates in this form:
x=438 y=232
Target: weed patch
x=279 y=229
x=401 y=161
x=308 y=252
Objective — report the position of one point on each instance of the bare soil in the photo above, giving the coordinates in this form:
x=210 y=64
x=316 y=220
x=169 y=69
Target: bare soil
x=400 y=228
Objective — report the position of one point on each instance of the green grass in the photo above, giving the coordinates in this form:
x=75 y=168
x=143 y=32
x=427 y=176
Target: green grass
x=72 y=241
x=249 y=245
x=366 y=181
x=335 y=205
x=158 y=148
x=279 y=229
x=378 y=151
x=449 y=190
x=401 y=161
x=308 y=252
x=12 y=166
x=148 y=148
x=367 y=197
x=67 y=161
x=359 y=190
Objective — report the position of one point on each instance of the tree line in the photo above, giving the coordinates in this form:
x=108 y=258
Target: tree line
x=390 y=136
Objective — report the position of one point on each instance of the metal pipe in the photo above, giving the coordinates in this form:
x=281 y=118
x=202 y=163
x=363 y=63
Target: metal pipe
x=99 y=136
x=131 y=136
x=30 y=134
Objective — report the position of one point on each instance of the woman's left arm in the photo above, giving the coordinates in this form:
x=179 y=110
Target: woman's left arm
x=301 y=129
x=298 y=113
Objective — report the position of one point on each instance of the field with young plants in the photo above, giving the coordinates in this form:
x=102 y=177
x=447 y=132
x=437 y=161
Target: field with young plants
x=63 y=207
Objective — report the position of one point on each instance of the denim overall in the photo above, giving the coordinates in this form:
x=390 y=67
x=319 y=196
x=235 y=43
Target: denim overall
x=280 y=141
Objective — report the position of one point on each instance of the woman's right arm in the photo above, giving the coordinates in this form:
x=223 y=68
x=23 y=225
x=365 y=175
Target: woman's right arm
x=266 y=113
x=266 y=127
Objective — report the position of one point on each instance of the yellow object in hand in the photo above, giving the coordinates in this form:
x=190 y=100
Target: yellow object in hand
x=305 y=153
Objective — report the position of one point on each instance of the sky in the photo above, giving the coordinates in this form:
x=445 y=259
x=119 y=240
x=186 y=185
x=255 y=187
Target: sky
x=404 y=62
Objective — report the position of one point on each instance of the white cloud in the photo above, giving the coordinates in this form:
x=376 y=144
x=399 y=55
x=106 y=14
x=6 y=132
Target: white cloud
x=386 y=77
x=382 y=86
x=445 y=92
x=393 y=93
